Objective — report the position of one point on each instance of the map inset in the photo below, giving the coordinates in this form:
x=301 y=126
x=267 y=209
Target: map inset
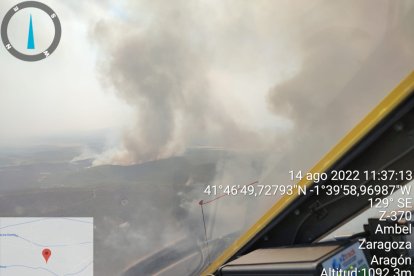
x=46 y=246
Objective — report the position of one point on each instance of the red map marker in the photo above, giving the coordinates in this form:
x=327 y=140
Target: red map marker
x=46 y=254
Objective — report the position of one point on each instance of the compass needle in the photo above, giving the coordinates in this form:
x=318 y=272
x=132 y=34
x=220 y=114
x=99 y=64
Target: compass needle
x=30 y=40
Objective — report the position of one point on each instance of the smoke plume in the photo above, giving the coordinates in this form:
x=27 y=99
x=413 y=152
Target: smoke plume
x=160 y=68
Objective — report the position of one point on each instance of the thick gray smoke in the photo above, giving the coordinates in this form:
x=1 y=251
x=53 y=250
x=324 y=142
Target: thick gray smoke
x=160 y=68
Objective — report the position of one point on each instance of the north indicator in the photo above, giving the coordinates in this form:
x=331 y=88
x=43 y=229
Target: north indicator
x=30 y=39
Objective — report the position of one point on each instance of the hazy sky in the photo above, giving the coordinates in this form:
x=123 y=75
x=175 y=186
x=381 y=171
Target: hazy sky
x=61 y=94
